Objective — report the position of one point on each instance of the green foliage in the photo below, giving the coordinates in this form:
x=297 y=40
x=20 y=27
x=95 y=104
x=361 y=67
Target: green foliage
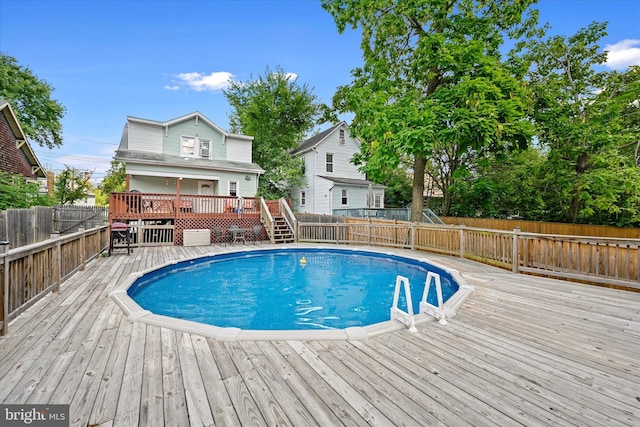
x=432 y=76
x=501 y=186
x=71 y=186
x=113 y=182
x=278 y=112
x=397 y=193
x=585 y=120
x=30 y=97
x=17 y=193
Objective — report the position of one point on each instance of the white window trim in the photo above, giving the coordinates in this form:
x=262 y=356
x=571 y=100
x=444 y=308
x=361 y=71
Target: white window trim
x=237 y=188
x=326 y=163
x=346 y=196
x=303 y=198
x=197 y=146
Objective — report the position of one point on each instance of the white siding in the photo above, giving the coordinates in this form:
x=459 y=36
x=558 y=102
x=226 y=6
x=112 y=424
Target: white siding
x=342 y=154
x=144 y=137
x=238 y=150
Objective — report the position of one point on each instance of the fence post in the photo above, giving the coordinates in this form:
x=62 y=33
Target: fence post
x=413 y=236
x=4 y=248
x=515 y=257
x=83 y=253
x=369 y=232
x=461 y=240
x=56 y=274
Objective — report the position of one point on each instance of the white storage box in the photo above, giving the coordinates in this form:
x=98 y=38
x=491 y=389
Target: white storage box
x=201 y=237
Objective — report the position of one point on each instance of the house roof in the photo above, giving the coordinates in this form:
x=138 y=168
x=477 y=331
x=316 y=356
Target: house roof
x=197 y=115
x=23 y=144
x=315 y=140
x=142 y=157
x=351 y=181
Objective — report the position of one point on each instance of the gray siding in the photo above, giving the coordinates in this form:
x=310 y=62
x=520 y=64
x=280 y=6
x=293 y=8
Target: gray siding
x=145 y=137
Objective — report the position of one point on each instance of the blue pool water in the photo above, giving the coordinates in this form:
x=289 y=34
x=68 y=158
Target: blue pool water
x=273 y=290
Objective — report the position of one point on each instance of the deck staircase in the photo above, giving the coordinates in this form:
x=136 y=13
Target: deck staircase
x=278 y=220
x=282 y=233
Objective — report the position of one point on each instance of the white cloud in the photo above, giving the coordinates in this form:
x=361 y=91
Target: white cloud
x=623 y=54
x=291 y=76
x=201 y=82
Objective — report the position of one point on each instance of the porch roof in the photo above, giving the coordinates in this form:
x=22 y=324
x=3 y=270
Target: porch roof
x=143 y=157
x=352 y=181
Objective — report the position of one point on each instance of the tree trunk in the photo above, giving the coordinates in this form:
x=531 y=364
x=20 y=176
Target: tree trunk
x=418 y=188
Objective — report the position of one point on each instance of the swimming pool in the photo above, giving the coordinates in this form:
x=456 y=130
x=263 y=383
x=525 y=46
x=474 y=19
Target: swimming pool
x=303 y=291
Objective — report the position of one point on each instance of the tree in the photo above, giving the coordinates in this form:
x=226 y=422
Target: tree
x=584 y=118
x=432 y=74
x=499 y=186
x=113 y=182
x=278 y=112
x=71 y=186
x=30 y=97
x=17 y=193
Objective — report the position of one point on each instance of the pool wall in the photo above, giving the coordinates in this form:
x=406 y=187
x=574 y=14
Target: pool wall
x=136 y=313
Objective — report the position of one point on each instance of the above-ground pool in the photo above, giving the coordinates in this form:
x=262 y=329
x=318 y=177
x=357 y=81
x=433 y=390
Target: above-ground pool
x=303 y=289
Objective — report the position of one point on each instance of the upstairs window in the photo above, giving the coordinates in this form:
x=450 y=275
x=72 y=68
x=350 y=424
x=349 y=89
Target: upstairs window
x=341 y=136
x=205 y=148
x=191 y=147
x=329 y=162
x=344 y=198
x=303 y=198
x=187 y=145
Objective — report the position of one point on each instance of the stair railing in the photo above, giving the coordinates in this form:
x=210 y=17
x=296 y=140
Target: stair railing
x=289 y=217
x=267 y=219
x=405 y=317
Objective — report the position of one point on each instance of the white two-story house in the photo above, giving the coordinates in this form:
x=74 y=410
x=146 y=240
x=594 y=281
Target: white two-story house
x=331 y=181
x=187 y=155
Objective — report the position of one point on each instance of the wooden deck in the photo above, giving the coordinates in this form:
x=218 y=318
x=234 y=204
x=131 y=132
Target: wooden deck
x=521 y=351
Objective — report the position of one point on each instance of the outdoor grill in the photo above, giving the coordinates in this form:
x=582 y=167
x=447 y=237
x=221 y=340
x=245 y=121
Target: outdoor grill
x=120 y=238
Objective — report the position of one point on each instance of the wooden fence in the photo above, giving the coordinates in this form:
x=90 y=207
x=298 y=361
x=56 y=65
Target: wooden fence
x=22 y=227
x=545 y=227
x=30 y=272
x=609 y=261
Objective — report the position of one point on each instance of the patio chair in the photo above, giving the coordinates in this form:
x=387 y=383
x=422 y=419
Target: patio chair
x=256 y=231
x=218 y=236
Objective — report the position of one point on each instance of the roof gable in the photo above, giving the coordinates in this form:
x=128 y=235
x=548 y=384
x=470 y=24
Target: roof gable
x=316 y=140
x=21 y=142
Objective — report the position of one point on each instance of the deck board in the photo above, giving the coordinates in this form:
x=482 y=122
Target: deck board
x=522 y=350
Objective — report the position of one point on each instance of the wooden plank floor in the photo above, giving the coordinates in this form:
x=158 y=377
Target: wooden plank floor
x=521 y=351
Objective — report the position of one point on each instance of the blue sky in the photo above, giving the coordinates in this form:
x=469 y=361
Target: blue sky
x=163 y=59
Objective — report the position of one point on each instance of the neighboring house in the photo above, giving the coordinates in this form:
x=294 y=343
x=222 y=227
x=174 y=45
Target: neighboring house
x=331 y=181
x=17 y=155
x=187 y=155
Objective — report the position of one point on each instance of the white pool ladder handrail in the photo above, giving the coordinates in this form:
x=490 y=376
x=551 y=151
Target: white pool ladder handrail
x=425 y=307
x=405 y=317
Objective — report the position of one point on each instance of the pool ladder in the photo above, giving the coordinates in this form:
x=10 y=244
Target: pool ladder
x=407 y=317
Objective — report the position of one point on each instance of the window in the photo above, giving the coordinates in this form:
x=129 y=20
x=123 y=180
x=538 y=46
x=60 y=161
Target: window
x=345 y=199
x=303 y=198
x=341 y=136
x=303 y=168
x=187 y=145
x=205 y=147
x=329 y=162
x=192 y=146
x=233 y=188
x=377 y=203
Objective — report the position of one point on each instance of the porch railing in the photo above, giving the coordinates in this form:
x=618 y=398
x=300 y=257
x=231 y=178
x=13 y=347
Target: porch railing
x=135 y=205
